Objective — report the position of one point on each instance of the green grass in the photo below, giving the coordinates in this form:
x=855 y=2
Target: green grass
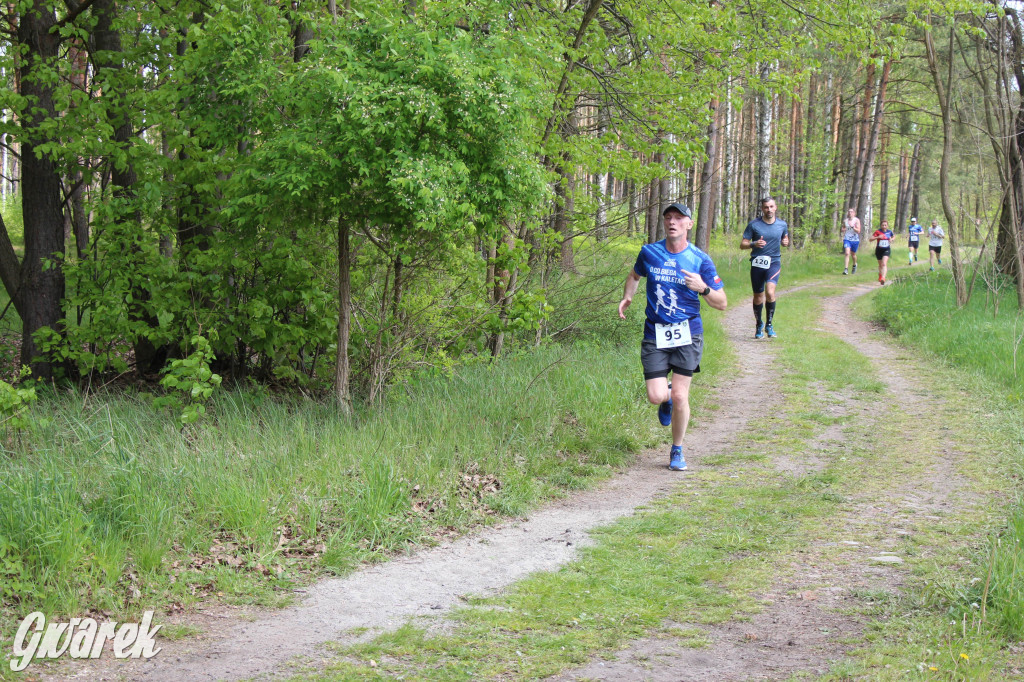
x=105 y=504
x=983 y=339
x=109 y=486
x=987 y=336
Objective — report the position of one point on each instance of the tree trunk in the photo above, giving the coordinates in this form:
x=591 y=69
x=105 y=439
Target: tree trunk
x=859 y=149
x=41 y=287
x=871 y=147
x=708 y=177
x=564 y=205
x=883 y=200
x=947 y=152
x=342 y=370
x=729 y=180
x=653 y=217
x=901 y=193
x=764 y=132
x=631 y=215
x=601 y=186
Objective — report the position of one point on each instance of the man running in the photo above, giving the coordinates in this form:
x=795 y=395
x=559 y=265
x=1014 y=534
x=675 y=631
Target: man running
x=914 y=231
x=673 y=334
x=883 y=249
x=851 y=239
x=764 y=237
x=935 y=235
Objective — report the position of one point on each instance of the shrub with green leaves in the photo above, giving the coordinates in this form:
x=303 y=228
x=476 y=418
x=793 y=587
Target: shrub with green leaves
x=190 y=382
x=14 y=401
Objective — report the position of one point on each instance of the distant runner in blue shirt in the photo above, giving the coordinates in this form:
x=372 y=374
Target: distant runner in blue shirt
x=764 y=237
x=678 y=275
x=914 y=239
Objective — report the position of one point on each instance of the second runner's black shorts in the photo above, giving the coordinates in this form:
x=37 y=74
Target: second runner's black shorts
x=761 y=276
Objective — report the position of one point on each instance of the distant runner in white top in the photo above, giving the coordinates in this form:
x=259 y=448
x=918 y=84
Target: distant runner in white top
x=935 y=236
x=851 y=239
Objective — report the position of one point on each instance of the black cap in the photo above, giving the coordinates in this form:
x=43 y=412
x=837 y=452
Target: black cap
x=682 y=208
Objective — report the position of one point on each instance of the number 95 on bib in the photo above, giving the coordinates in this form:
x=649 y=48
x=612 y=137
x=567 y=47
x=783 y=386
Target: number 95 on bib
x=672 y=335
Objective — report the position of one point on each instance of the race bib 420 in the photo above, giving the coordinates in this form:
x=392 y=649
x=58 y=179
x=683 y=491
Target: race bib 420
x=673 y=335
x=763 y=262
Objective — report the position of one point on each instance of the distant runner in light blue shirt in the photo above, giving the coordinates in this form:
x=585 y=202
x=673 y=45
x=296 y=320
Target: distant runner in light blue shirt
x=914 y=239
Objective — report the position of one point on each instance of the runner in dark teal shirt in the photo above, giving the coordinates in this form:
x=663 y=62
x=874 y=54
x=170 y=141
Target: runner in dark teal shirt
x=765 y=237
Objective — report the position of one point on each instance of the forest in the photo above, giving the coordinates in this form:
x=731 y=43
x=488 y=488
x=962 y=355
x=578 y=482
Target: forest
x=292 y=289
x=334 y=197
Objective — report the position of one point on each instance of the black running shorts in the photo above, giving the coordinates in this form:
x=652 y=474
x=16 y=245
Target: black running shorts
x=759 y=277
x=657 y=362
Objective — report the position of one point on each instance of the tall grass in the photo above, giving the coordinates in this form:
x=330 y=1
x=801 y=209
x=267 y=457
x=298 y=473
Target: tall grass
x=106 y=504
x=986 y=336
x=984 y=339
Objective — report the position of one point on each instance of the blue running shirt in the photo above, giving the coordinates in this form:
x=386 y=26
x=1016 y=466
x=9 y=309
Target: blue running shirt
x=669 y=300
x=772 y=235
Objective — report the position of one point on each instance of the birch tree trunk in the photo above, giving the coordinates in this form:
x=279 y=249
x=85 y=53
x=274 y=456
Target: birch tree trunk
x=871 y=147
x=765 y=103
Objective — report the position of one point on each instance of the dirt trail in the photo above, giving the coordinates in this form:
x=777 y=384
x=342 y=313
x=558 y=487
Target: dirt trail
x=808 y=616
x=432 y=581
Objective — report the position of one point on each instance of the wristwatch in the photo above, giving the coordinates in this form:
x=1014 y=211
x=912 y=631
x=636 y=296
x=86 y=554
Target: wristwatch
x=707 y=290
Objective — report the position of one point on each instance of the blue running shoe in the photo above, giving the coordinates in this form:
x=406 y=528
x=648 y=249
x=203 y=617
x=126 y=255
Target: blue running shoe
x=769 y=330
x=759 y=332
x=665 y=413
x=676 y=461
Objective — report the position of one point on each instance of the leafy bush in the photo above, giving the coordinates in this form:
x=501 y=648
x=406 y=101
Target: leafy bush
x=190 y=381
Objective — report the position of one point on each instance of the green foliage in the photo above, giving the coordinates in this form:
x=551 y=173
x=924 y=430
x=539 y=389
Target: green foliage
x=190 y=381
x=14 y=401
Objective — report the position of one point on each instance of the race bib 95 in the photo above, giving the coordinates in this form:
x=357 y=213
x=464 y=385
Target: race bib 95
x=673 y=335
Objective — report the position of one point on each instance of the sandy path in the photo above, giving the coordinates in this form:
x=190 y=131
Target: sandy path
x=432 y=581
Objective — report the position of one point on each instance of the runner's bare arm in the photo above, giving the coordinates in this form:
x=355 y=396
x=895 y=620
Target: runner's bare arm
x=629 y=291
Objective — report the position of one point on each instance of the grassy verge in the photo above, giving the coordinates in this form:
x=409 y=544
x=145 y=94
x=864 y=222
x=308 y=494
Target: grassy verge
x=985 y=337
x=108 y=508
